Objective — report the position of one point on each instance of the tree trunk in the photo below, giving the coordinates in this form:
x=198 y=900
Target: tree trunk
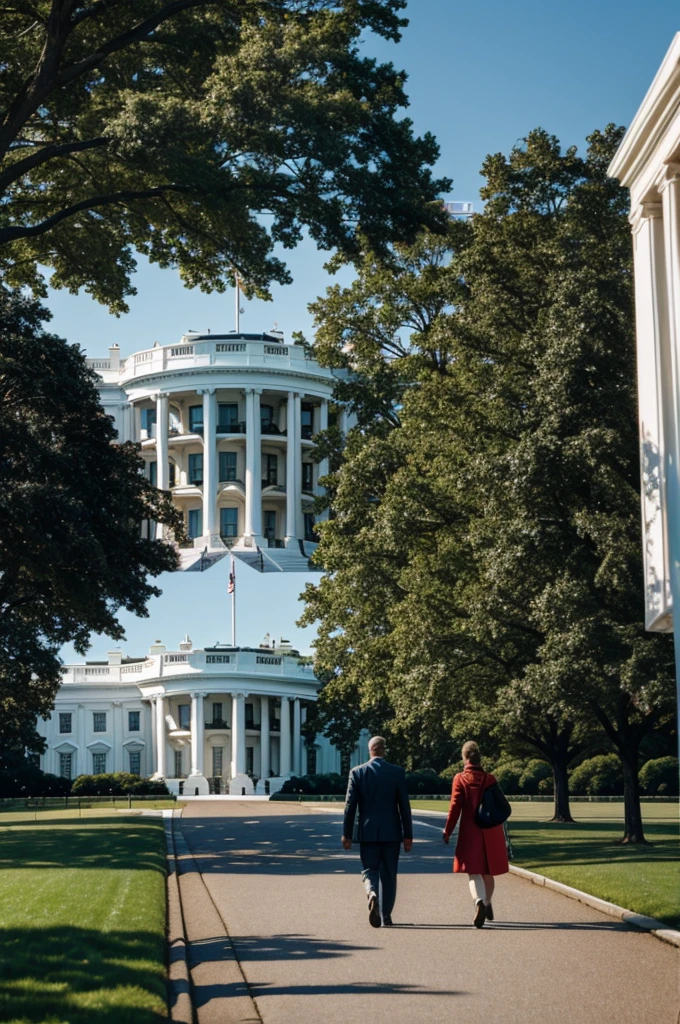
x=633 y=831
x=562 y=811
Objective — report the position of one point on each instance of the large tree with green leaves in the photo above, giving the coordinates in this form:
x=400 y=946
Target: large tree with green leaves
x=71 y=506
x=200 y=133
x=510 y=523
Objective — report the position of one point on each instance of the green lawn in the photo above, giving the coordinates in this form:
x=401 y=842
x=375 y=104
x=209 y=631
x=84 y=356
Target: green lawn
x=587 y=855
x=82 y=920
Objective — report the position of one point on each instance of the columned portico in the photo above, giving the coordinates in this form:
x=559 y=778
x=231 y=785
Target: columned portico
x=161 y=769
x=322 y=468
x=197 y=727
x=253 y=524
x=209 y=463
x=296 y=736
x=162 y=453
x=265 y=755
x=238 y=734
x=299 y=523
x=293 y=481
x=284 y=748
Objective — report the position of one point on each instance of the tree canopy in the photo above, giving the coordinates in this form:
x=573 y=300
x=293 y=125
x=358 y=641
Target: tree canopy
x=484 y=557
x=71 y=506
x=200 y=134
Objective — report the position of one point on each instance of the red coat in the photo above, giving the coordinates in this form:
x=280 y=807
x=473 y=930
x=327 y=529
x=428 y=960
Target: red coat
x=480 y=851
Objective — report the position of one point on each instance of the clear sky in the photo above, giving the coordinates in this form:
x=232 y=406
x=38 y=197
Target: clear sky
x=479 y=78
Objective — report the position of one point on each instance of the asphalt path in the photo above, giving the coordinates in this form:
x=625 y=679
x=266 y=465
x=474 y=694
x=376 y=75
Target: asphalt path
x=295 y=910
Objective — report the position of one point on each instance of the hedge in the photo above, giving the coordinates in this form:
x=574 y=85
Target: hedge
x=117 y=784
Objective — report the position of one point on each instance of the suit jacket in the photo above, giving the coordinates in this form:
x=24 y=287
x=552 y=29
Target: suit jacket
x=377 y=789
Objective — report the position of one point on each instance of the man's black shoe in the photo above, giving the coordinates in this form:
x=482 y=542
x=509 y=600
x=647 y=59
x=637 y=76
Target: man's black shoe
x=480 y=914
x=373 y=911
x=387 y=921
x=489 y=912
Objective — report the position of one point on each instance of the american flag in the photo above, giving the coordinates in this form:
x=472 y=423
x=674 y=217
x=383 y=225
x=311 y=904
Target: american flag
x=232 y=577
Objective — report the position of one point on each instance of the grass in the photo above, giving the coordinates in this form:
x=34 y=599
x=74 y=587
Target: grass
x=82 y=920
x=588 y=856
x=16 y=813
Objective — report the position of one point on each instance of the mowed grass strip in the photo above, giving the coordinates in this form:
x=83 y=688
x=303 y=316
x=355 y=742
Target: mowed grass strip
x=589 y=856
x=82 y=921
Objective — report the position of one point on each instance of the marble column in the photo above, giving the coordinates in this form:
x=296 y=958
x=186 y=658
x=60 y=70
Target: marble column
x=197 y=731
x=253 y=524
x=117 y=756
x=284 y=742
x=161 y=763
x=296 y=737
x=162 y=453
x=322 y=468
x=265 y=759
x=238 y=734
x=81 y=767
x=209 y=462
x=299 y=521
x=293 y=486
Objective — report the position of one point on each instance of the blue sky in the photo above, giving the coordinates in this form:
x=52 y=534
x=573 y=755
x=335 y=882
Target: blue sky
x=480 y=78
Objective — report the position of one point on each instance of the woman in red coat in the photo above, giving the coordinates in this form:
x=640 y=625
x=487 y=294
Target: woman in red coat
x=480 y=852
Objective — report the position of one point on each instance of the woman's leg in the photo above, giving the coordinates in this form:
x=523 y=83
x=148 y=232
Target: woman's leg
x=477 y=888
x=489 y=886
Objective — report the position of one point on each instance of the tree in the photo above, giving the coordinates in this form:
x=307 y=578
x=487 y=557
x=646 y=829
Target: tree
x=71 y=505
x=200 y=134
x=507 y=498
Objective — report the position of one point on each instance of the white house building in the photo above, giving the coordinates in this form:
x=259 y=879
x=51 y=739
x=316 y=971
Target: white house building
x=226 y=423
x=203 y=720
x=648 y=163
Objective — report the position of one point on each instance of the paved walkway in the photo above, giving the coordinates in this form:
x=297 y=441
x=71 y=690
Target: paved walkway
x=300 y=950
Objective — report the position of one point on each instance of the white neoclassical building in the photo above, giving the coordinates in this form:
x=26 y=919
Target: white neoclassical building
x=204 y=720
x=226 y=423
x=648 y=163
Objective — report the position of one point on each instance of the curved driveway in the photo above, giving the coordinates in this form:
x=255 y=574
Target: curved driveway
x=295 y=911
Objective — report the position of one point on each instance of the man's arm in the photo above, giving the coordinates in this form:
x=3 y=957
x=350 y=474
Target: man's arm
x=405 y=811
x=351 y=801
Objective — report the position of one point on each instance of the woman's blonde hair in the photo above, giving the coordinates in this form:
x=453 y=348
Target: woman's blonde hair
x=471 y=752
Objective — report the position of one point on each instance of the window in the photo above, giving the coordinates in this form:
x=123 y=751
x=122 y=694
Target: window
x=135 y=762
x=195 y=523
x=307 y=420
x=227 y=465
x=311 y=760
x=227 y=417
x=270 y=524
x=133 y=721
x=271 y=471
x=99 y=721
x=153 y=473
x=172 y=474
x=250 y=760
x=310 y=533
x=99 y=764
x=250 y=720
x=229 y=522
x=148 y=420
x=196 y=468
x=184 y=711
x=266 y=416
x=178 y=764
x=217 y=714
x=307 y=476
x=195 y=419
x=65 y=721
x=66 y=766
x=217 y=761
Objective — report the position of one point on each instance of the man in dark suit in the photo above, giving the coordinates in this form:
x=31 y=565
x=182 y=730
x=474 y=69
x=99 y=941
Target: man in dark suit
x=378 y=790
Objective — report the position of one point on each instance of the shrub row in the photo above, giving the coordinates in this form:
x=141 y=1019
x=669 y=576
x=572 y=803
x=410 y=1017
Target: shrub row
x=31 y=781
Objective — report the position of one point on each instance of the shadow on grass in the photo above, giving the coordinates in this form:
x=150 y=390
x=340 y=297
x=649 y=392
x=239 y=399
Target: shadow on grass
x=590 y=843
x=97 y=843
x=80 y=975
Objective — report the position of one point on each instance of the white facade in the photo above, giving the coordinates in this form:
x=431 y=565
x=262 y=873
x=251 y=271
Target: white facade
x=226 y=424
x=203 y=720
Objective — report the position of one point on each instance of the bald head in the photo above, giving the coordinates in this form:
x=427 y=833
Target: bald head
x=376 y=746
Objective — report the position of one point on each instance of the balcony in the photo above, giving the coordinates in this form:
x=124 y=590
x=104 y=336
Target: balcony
x=231 y=428
x=218 y=723
x=271 y=428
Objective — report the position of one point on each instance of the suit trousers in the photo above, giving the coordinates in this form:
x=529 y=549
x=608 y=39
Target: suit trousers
x=380 y=862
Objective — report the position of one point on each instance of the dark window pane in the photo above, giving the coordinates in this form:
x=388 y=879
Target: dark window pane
x=195 y=419
x=229 y=522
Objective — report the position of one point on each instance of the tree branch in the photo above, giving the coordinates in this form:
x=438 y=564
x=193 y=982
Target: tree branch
x=41 y=156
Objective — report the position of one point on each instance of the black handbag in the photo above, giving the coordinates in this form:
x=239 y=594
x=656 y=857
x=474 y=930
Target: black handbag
x=493 y=809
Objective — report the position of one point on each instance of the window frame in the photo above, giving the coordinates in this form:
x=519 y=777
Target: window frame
x=223 y=532
x=222 y=460
x=194 y=461
x=195 y=420
x=99 y=716
x=138 y=727
x=98 y=758
x=62 y=716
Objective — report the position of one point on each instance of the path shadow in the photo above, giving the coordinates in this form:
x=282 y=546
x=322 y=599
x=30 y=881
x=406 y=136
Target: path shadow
x=586 y=926
x=259 y=948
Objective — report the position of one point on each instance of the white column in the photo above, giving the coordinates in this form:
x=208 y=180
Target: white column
x=322 y=468
x=299 y=522
x=117 y=754
x=343 y=420
x=209 y=462
x=265 y=761
x=162 y=474
x=296 y=736
x=284 y=742
x=81 y=767
x=161 y=766
x=671 y=412
x=197 y=729
x=292 y=485
x=253 y=527
x=238 y=734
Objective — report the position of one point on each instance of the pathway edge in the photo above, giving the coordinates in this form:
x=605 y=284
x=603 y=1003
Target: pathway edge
x=180 y=1003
